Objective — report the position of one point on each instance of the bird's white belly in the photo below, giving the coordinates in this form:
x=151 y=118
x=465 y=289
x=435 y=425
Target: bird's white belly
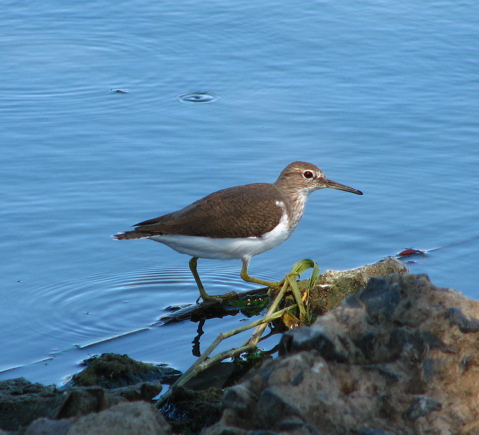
x=226 y=249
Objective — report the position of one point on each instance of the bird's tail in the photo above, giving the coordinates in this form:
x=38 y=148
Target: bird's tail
x=130 y=235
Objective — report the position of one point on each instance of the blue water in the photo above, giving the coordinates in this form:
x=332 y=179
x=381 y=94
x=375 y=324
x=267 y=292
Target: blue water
x=383 y=97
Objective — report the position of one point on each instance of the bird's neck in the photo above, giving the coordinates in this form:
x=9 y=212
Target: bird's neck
x=296 y=207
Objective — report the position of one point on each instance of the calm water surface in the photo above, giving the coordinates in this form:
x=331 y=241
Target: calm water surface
x=383 y=97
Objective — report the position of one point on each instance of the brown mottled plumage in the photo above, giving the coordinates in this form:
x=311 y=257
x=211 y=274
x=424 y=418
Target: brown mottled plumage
x=212 y=216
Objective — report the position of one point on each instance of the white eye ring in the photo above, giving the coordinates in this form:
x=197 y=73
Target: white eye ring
x=308 y=174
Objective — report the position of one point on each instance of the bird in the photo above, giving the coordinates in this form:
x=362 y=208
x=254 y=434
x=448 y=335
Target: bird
x=238 y=222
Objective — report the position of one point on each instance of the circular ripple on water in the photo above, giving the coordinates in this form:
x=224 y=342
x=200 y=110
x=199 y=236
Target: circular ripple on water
x=90 y=313
x=84 y=311
x=197 y=97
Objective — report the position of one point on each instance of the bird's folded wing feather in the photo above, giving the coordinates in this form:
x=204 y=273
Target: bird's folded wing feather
x=244 y=211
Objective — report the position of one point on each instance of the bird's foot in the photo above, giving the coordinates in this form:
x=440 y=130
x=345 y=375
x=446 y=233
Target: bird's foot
x=217 y=298
x=271 y=284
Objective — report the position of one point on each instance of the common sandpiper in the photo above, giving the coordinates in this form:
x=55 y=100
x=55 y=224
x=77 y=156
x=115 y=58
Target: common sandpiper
x=239 y=222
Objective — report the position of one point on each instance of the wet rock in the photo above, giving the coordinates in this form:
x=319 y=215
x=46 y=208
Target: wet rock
x=111 y=370
x=399 y=357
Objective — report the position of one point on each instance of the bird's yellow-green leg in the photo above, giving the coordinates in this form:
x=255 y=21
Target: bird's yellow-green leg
x=244 y=275
x=203 y=295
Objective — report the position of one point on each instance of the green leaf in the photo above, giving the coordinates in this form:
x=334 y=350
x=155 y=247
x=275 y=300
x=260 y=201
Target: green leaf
x=303 y=265
x=314 y=275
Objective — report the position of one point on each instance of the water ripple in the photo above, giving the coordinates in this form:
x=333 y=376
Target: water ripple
x=197 y=97
x=108 y=306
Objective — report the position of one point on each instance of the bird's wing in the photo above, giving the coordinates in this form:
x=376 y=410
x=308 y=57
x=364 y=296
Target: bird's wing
x=243 y=211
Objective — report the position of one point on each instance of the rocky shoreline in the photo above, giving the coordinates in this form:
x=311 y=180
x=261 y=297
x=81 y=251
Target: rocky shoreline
x=398 y=357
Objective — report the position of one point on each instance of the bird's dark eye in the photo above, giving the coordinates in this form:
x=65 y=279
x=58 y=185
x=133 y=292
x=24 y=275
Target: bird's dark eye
x=308 y=174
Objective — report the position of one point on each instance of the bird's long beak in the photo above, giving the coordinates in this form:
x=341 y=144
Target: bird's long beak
x=330 y=184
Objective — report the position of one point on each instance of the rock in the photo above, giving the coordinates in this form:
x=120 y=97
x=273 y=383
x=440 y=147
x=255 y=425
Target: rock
x=46 y=426
x=333 y=286
x=82 y=401
x=21 y=402
x=123 y=419
x=190 y=411
x=111 y=370
x=399 y=357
